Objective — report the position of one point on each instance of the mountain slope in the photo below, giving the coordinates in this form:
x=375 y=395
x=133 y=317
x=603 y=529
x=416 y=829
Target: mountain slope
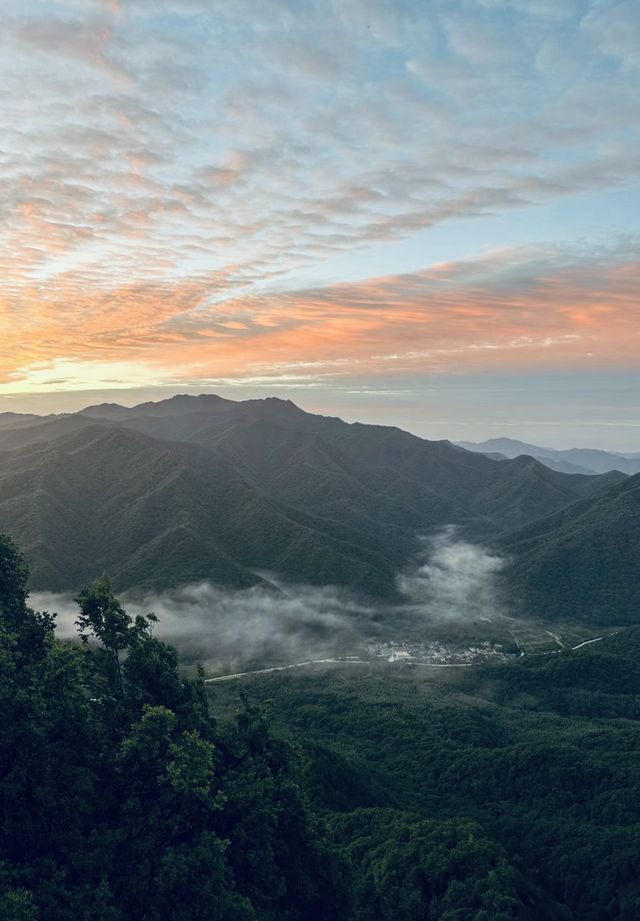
x=39 y=431
x=158 y=514
x=202 y=487
x=16 y=420
x=582 y=563
x=367 y=475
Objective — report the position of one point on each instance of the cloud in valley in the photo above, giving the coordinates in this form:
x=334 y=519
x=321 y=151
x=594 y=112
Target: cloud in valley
x=219 y=627
x=457 y=582
x=454 y=583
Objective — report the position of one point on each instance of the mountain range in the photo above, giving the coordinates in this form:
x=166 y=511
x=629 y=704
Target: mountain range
x=248 y=493
x=572 y=460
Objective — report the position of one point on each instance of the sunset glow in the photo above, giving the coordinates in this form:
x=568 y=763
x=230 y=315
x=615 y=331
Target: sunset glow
x=395 y=211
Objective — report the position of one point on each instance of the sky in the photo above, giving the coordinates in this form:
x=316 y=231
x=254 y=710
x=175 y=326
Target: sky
x=423 y=213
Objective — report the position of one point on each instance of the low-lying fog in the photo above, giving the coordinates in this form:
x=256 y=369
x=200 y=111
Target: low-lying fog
x=454 y=583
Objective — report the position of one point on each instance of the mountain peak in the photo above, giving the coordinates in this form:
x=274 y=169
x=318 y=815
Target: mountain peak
x=181 y=402
x=104 y=411
x=275 y=404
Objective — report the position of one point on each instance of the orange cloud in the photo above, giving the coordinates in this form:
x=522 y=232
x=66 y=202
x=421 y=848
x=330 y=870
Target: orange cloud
x=505 y=311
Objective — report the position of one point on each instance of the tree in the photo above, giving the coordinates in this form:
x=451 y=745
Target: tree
x=120 y=800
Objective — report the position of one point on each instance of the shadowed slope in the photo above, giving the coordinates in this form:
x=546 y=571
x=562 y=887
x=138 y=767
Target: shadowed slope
x=583 y=563
x=205 y=488
x=154 y=513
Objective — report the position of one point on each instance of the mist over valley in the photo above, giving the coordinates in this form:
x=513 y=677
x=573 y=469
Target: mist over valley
x=449 y=603
x=359 y=623
x=184 y=503
x=319 y=460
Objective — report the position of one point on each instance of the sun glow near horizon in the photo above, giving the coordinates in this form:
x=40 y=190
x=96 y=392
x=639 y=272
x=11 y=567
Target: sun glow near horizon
x=345 y=201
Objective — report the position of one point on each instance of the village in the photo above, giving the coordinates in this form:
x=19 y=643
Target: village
x=437 y=653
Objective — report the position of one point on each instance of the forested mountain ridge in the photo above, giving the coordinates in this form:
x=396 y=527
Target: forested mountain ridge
x=198 y=488
x=162 y=513
x=583 y=562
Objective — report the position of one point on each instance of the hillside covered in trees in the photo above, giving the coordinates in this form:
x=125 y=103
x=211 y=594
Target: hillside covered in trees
x=530 y=770
x=583 y=562
x=128 y=793
x=202 y=488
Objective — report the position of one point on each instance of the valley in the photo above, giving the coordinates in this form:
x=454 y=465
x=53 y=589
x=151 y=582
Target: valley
x=415 y=665
x=320 y=460
x=201 y=488
x=443 y=653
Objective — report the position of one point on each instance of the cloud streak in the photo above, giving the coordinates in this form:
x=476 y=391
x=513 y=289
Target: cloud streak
x=531 y=307
x=174 y=174
x=218 y=627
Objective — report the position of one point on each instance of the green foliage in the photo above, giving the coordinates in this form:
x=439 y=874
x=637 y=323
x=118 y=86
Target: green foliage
x=13 y=580
x=530 y=770
x=119 y=798
x=581 y=564
x=17 y=905
x=504 y=793
x=418 y=870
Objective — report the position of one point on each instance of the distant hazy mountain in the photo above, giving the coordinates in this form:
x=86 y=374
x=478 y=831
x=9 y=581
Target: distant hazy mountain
x=572 y=460
x=205 y=488
x=16 y=420
x=583 y=562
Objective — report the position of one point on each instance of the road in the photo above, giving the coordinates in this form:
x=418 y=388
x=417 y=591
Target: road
x=283 y=668
x=356 y=660
x=347 y=660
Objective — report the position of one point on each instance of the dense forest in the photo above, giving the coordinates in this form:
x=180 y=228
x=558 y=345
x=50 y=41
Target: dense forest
x=127 y=791
x=498 y=791
x=581 y=563
x=119 y=797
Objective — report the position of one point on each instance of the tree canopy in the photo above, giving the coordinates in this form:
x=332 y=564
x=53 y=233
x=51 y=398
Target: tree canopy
x=119 y=797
